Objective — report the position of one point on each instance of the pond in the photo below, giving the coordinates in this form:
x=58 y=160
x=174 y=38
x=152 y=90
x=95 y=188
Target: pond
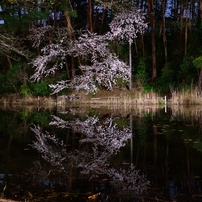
x=101 y=154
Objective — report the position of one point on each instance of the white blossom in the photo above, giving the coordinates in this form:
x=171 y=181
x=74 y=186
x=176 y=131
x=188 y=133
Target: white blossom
x=104 y=73
x=127 y=24
x=103 y=68
x=39 y=35
x=51 y=61
x=90 y=45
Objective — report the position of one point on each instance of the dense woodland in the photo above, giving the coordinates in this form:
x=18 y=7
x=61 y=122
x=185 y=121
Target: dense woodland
x=167 y=55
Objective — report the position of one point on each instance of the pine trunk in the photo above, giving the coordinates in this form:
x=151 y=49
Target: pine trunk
x=200 y=74
x=153 y=43
x=186 y=30
x=103 y=20
x=90 y=16
x=181 y=27
x=163 y=5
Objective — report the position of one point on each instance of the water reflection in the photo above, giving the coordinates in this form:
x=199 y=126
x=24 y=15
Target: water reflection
x=101 y=141
x=107 y=155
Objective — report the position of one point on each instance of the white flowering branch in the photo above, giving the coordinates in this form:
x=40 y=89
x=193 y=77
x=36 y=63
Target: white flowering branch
x=127 y=24
x=103 y=68
x=104 y=73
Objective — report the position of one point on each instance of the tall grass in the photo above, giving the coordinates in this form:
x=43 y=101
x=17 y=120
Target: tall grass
x=192 y=96
x=20 y=101
x=127 y=100
x=117 y=99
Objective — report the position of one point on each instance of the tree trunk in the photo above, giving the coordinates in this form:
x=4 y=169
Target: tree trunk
x=200 y=75
x=186 y=29
x=200 y=10
x=192 y=15
x=90 y=16
x=96 y=19
x=73 y=73
x=67 y=69
x=69 y=30
x=175 y=14
x=181 y=27
x=152 y=23
x=142 y=45
x=130 y=66
x=103 y=20
x=55 y=18
x=163 y=5
x=136 y=48
x=181 y=17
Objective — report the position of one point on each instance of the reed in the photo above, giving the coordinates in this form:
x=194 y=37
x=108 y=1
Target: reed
x=117 y=97
x=131 y=98
x=192 y=96
x=16 y=100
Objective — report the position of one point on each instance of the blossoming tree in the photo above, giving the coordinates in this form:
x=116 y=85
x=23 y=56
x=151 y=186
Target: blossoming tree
x=100 y=67
x=125 y=26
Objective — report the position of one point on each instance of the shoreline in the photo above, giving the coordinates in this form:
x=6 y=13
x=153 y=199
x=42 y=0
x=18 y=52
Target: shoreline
x=51 y=101
x=117 y=97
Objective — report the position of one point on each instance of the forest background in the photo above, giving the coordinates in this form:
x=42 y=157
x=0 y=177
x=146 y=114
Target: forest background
x=165 y=57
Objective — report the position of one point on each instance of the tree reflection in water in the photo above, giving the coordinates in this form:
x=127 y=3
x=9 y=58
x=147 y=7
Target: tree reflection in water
x=102 y=141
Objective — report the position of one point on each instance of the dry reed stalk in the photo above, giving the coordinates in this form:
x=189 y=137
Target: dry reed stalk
x=17 y=101
x=7 y=200
x=61 y=101
x=189 y=97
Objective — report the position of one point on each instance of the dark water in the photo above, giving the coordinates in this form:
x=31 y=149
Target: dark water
x=97 y=154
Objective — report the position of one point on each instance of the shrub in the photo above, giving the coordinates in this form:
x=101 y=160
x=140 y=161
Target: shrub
x=41 y=88
x=25 y=90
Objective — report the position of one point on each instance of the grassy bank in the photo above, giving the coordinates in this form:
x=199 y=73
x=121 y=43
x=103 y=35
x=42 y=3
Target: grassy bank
x=14 y=100
x=192 y=96
x=114 y=98
x=121 y=97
